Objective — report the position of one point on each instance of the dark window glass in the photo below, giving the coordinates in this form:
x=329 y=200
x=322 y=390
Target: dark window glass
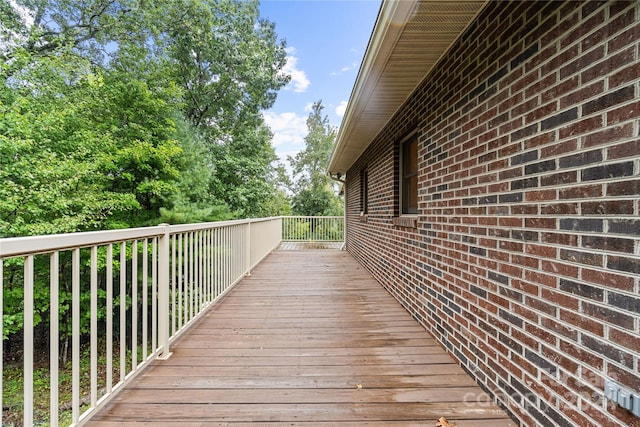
x=409 y=175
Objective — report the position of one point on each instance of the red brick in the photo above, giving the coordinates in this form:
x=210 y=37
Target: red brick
x=608 y=135
x=612 y=280
x=584 y=28
x=541 y=278
x=565 y=331
x=541 y=334
x=559 y=239
x=630 y=73
x=624 y=39
x=581 y=62
x=560 y=208
x=611 y=62
x=563 y=147
x=624 y=188
x=624 y=339
x=541 y=251
x=571 y=349
x=579 y=321
x=525 y=261
x=621 y=151
x=584 y=92
x=540 y=139
x=624 y=416
x=543 y=111
x=581 y=127
x=582 y=192
x=540 y=195
x=556 y=62
x=624 y=113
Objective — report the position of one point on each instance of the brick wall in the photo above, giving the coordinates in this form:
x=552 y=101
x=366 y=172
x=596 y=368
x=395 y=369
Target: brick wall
x=525 y=261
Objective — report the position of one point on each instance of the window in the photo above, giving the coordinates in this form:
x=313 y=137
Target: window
x=409 y=175
x=364 y=191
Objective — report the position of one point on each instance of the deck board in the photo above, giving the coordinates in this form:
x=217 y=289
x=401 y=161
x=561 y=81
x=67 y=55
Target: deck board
x=310 y=338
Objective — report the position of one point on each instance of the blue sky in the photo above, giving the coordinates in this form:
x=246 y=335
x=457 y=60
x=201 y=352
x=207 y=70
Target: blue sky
x=326 y=40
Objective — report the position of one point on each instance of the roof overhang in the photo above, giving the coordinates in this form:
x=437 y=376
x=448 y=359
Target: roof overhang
x=409 y=38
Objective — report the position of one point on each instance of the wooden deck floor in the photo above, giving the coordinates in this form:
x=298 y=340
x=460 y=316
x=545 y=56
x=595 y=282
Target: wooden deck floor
x=309 y=339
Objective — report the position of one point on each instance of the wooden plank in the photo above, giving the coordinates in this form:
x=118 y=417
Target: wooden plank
x=290 y=360
x=500 y=422
x=190 y=369
x=295 y=412
x=323 y=348
x=295 y=382
x=301 y=395
x=307 y=352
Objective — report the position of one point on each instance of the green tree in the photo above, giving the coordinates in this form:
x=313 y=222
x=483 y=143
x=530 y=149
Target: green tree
x=170 y=79
x=315 y=194
x=229 y=74
x=127 y=113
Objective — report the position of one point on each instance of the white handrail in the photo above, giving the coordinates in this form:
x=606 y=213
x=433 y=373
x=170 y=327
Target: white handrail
x=313 y=229
x=192 y=266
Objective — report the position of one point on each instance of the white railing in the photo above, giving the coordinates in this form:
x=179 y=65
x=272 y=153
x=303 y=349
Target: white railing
x=156 y=280
x=313 y=229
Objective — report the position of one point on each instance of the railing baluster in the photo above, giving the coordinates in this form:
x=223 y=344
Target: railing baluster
x=185 y=273
x=54 y=337
x=28 y=340
x=180 y=277
x=123 y=308
x=154 y=294
x=208 y=263
x=94 y=325
x=163 y=292
x=192 y=243
x=227 y=238
x=1 y=340
x=216 y=262
x=194 y=276
x=109 y=349
x=247 y=248
x=134 y=305
x=199 y=253
x=173 y=285
x=145 y=298
x=75 y=334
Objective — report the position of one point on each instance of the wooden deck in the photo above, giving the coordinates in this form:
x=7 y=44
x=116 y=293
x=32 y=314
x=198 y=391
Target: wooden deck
x=309 y=339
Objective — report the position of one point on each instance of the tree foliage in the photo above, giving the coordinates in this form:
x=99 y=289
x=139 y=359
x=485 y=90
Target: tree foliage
x=127 y=113
x=145 y=111
x=314 y=191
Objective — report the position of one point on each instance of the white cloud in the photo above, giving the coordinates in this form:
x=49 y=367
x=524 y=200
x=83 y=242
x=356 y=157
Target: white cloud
x=341 y=108
x=299 y=78
x=353 y=66
x=289 y=130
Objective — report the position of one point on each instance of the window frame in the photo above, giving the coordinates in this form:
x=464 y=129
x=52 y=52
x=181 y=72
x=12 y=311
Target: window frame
x=404 y=176
x=364 y=191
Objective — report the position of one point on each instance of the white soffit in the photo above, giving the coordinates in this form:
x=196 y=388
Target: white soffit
x=408 y=39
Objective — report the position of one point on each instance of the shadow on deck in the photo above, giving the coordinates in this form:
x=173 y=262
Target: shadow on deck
x=310 y=338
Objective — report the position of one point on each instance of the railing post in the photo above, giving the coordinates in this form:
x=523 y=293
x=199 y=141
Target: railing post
x=248 y=249
x=163 y=292
x=28 y=341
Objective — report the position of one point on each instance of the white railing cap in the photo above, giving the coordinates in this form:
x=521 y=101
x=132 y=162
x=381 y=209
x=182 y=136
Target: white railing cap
x=16 y=246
